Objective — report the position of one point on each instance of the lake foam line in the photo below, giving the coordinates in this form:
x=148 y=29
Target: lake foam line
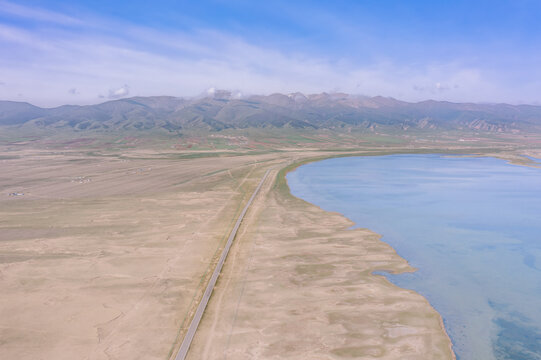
x=488 y=314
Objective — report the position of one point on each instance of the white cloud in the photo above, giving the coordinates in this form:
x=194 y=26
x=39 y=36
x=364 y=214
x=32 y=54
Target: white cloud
x=119 y=92
x=157 y=62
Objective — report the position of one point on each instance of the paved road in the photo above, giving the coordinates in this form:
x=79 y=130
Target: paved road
x=185 y=346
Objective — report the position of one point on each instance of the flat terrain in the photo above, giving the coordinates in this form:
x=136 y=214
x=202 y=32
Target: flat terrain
x=299 y=285
x=104 y=255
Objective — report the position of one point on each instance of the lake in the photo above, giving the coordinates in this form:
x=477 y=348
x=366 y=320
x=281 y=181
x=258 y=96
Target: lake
x=470 y=225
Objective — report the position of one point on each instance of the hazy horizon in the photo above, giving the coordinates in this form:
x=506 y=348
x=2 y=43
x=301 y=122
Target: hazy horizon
x=235 y=95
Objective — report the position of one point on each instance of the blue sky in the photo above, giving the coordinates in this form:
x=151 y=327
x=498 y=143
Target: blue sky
x=80 y=52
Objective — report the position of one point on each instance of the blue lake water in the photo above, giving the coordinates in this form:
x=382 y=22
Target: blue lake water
x=472 y=227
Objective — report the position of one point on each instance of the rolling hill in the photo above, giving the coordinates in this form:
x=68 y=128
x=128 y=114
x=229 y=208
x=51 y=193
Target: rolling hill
x=222 y=111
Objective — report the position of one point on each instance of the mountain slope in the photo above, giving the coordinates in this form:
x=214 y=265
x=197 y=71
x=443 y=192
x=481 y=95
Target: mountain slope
x=223 y=111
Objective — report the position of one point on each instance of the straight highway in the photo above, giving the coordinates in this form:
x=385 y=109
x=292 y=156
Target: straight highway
x=188 y=338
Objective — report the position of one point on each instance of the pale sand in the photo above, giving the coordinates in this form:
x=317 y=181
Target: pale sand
x=112 y=267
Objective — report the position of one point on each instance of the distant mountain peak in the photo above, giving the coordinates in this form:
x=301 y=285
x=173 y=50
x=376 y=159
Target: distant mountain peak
x=216 y=110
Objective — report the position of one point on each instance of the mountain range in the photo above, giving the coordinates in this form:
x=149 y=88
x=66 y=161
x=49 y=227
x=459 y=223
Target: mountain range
x=224 y=110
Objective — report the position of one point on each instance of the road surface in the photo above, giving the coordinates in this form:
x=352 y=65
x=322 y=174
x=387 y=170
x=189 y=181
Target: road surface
x=185 y=346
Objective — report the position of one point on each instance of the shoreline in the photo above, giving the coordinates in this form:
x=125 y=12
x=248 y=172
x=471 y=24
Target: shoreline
x=292 y=253
x=303 y=265
x=512 y=158
x=301 y=286
x=282 y=179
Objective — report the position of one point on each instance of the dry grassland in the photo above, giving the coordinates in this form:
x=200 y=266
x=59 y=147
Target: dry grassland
x=102 y=257
x=105 y=256
x=299 y=285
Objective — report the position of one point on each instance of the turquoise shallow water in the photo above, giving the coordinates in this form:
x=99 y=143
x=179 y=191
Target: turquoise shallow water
x=472 y=226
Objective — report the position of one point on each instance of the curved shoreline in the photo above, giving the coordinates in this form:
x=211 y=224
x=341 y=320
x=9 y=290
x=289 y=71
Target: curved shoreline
x=314 y=274
x=467 y=222
x=281 y=182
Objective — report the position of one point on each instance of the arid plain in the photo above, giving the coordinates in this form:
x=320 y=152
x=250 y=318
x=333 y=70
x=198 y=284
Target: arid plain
x=105 y=255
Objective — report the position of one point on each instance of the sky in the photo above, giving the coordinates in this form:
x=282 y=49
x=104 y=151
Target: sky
x=56 y=52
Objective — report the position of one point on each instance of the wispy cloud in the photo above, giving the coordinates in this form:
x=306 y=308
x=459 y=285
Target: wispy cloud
x=435 y=88
x=36 y=14
x=92 y=57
